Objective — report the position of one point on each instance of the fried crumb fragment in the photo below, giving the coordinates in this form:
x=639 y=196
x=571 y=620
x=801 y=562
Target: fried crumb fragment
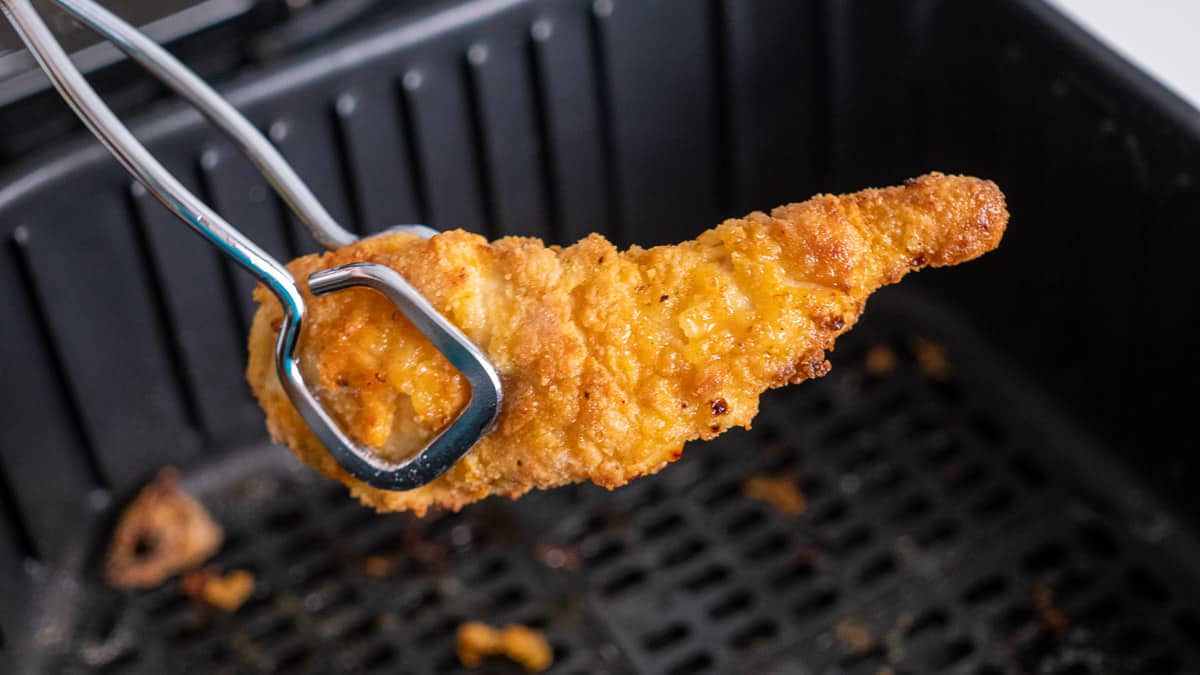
x=521 y=644
x=226 y=592
x=381 y=565
x=1054 y=619
x=931 y=359
x=556 y=557
x=781 y=492
x=162 y=533
x=854 y=635
x=880 y=361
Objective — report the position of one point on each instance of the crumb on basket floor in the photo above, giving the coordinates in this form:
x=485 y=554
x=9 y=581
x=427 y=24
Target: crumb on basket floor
x=521 y=644
x=163 y=532
x=880 y=361
x=227 y=592
x=781 y=492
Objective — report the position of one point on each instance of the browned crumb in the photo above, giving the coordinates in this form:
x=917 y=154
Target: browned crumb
x=556 y=557
x=226 y=592
x=854 y=635
x=523 y=645
x=931 y=359
x=1054 y=619
x=881 y=360
x=780 y=492
x=886 y=670
x=381 y=565
x=162 y=533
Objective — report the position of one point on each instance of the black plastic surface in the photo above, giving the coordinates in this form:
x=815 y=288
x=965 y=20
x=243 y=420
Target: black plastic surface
x=120 y=345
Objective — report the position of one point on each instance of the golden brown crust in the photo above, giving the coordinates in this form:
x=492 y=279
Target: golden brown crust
x=610 y=361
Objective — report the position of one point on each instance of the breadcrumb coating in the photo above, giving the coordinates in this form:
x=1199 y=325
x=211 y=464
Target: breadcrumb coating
x=610 y=360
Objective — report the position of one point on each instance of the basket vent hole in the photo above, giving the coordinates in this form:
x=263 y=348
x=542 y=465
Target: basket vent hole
x=941 y=532
x=653 y=495
x=1189 y=624
x=706 y=578
x=854 y=540
x=884 y=482
x=932 y=621
x=492 y=568
x=188 y=631
x=604 y=554
x=695 y=663
x=1072 y=584
x=661 y=639
x=746 y=523
x=768 y=548
x=381 y=655
x=815 y=604
x=293 y=659
x=995 y=503
x=1027 y=472
x=1045 y=558
x=663 y=526
x=943 y=454
x=422 y=601
x=687 y=550
x=1098 y=540
x=1132 y=640
x=985 y=590
x=731 y=605
x=1161 y=663
x=963 y=479
x=953 y=654
x=509 y=598
x=797 y=573
x=913 y=508
x=359 y=629
x=1100 y=613
x=754 y=635
x=831 y=514
x=723 y=493
x=1014 y=618
x=863 y=461
x=1149 y=587
x=880 y=567
x=626 y=581
x=285 y=519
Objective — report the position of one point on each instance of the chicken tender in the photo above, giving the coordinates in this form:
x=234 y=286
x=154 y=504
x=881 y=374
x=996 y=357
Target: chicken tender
x=610 y=360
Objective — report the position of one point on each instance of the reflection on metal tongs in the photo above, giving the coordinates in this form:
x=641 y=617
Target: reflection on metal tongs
x=444 y=450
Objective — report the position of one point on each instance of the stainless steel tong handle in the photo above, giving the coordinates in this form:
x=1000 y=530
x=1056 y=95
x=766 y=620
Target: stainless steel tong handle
x=453 y=442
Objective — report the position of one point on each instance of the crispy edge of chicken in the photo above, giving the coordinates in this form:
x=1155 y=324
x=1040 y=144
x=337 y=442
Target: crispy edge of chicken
x=610 y=360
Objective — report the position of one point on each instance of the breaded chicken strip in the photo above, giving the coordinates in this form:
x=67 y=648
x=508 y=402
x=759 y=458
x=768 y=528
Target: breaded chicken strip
x=610 y=360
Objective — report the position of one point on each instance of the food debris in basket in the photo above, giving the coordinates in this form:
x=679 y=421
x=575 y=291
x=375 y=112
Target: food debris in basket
x=556 y=557
x=227 y=592
x=1053 y=618
x=854 y=635
x=521 y=644
x=931 y=359
x=880 y=361
x=781 y=492
x=164 y=531
x=381 y=565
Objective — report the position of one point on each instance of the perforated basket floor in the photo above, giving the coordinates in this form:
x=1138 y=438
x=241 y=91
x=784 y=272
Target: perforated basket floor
x=951 y=526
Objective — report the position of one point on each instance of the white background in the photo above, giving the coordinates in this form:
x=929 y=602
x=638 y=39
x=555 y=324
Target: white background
x=1160 y=36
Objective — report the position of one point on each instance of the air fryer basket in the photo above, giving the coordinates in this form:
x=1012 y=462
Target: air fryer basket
x=1029 y=512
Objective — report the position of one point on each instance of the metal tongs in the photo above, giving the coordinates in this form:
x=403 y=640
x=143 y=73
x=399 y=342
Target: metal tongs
x=453 y=442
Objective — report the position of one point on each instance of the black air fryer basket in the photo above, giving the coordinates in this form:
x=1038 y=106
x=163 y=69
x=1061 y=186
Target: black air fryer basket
x=1033 y=510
